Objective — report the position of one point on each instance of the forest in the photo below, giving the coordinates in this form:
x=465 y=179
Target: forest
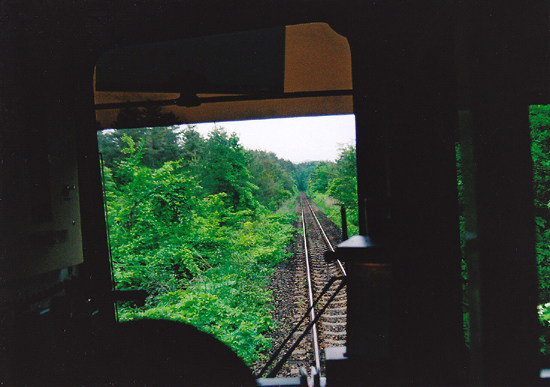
x=201 y=223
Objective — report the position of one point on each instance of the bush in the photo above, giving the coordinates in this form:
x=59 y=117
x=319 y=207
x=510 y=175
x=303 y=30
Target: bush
x=204 y=255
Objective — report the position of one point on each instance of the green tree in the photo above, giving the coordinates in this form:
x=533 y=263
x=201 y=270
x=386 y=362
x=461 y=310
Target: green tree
x=540 y=151
x=321 y=176
x=202 y=260
x=343 y=185
x=150 y=212
x=192 y=148
x=275 y=183
x=225 y=169
x=303 y=172
x=333 y=184
x=161 y=143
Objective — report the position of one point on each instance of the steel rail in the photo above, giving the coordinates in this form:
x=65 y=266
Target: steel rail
x=314 y=336
x=314 y=317
x=283 y=360
x=326 y=238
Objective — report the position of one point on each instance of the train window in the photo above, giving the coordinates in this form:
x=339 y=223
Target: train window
x=201 y=220
x=199 y=203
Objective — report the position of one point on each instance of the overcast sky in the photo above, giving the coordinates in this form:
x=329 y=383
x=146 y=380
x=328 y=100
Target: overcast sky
x=296 y=139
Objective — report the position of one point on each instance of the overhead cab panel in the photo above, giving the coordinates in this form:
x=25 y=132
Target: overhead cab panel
x=298 y=70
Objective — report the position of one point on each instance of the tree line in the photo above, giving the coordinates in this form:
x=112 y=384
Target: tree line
x=333 y=185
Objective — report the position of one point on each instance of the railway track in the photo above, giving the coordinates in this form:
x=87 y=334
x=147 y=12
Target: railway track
x=319 y=300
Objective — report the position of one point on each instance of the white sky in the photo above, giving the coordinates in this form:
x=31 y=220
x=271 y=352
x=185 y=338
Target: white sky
x=296 y=139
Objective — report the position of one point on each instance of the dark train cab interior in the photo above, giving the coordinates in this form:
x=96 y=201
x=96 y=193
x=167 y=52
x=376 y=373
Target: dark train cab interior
x=419 y=76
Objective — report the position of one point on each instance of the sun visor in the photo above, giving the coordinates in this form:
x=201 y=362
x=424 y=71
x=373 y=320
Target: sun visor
x=287 y=71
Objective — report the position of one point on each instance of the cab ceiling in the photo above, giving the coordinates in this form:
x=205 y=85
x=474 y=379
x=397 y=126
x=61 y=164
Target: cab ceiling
x=297 y=70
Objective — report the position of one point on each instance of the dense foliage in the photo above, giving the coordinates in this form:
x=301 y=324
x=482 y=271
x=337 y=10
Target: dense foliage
x=332 y=185
x=160 y=144
x=200 y=222
x=540 y=150
x=270 y=175
x=194 y=226
x=462 y=228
